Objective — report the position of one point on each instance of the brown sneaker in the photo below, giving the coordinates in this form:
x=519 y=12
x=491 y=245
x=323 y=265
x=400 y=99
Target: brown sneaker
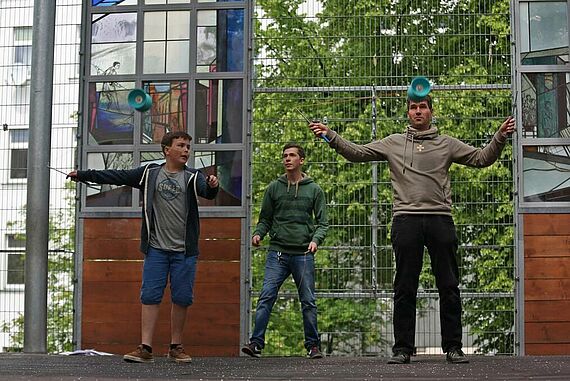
x=177 y=354
x=139 y=355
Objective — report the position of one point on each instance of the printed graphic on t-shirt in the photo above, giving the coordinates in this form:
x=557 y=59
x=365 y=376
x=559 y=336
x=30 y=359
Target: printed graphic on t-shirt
x=169 y=189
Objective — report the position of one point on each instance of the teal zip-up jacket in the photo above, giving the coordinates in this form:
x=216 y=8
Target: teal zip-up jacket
x=293 y=215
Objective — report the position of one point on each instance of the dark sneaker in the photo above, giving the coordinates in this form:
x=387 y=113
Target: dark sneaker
x=399 y=358
x=251 y=349
x=177 y=354
x=456 y=356
x=139 y=355
x=315 y=353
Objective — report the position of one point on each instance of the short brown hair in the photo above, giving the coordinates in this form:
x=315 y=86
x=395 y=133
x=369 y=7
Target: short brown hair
x=300 y=149
x=427 y=98
x=170 y=136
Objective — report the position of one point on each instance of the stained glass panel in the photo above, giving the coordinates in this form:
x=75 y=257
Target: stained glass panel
x=219 y=111
x=111 y=119
x=106 y=195
x=227 y=166
x=220 y=40
x=168 y=112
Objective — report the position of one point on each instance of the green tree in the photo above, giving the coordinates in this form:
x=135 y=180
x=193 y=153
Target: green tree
x=364 y=43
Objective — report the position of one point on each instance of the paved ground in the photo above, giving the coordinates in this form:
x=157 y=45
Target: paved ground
x=107 y=368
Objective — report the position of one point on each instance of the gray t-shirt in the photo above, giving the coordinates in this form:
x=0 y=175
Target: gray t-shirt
x=169 y=211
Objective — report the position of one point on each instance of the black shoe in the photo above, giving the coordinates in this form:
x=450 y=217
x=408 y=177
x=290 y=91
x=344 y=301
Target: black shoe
x=456 y=356
x=314 y=353
x=252 y=350
x=399 y=358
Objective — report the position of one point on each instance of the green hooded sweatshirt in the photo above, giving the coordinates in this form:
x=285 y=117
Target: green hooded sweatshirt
x=293 y=215
x=419 y=165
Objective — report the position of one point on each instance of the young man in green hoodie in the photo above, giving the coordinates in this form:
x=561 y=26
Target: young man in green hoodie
x=419 y=161
x=293 y=212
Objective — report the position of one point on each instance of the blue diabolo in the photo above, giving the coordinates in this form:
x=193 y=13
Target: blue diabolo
x=139 y=100
x=419 y=89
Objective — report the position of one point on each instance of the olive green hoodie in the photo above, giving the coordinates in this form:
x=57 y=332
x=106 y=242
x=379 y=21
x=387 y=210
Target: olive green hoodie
x=419 y=165
x=293 y=215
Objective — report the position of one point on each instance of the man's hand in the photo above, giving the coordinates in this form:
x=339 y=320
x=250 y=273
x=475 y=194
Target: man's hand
x=320 y=130
x=72 y=175
x=508 y=127
x=255 y=240
x=212 y=181
x=312 y=247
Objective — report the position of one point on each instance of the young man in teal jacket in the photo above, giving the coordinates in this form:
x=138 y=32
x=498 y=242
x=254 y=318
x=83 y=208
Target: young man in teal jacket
x=294 y=215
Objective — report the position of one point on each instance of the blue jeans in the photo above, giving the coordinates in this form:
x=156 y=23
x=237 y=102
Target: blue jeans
x=159 y=265
x=278 y=267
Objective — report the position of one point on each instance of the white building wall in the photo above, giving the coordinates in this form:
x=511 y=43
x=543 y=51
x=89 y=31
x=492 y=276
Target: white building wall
x=14 y=114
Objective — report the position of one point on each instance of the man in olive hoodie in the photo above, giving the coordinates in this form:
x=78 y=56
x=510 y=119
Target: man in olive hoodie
x=419 y=161
x=293 y=212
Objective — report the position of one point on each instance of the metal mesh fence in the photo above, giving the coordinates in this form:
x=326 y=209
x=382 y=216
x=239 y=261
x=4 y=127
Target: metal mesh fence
x=16 y=19
x=350 y=62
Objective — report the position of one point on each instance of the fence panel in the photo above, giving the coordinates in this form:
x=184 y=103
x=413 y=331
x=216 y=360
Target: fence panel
x=350 y=63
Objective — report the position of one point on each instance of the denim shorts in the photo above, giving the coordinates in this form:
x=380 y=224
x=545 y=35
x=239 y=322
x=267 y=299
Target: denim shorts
x=159 y=266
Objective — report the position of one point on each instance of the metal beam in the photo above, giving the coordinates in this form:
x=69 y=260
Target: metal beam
x=39 y=149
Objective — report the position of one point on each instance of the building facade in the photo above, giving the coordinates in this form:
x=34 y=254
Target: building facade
x=16 y=30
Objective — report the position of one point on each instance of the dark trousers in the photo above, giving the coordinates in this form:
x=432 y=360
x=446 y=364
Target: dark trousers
x=410 y=233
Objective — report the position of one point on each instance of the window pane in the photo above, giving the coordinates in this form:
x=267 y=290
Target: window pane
x=23 y=54
x=109 y=195
x=220 y=40
x=16 y=240
x=114 y=27
x=23 y=34
x=206 y=56
x=166 y=1
x=110 y=59
x=168 y=111
x=154 y=57
x=179 y=25
x=545 y=173
x=177 y=53
x=113 y=42
x=227 y=166
x=15 y=269
x=107 y=3
x=18 y=163
x=154 y=26
x=545 y=106
x=152 y=157
x=111 y=119
x=544 y=33
x=219 y=111
x=167 y=45
x=19 y=136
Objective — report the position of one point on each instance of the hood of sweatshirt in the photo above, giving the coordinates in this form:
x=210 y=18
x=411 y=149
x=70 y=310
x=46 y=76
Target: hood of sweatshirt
x=411 y=135
x=305 y=180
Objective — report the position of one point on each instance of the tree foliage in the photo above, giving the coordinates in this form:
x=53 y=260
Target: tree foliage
x=301 y=45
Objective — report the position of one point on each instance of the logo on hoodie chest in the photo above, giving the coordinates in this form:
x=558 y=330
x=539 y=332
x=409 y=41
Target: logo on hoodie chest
x=420 y=147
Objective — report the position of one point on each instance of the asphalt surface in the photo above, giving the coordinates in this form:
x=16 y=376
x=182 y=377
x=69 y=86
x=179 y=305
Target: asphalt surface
x=59 y=367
